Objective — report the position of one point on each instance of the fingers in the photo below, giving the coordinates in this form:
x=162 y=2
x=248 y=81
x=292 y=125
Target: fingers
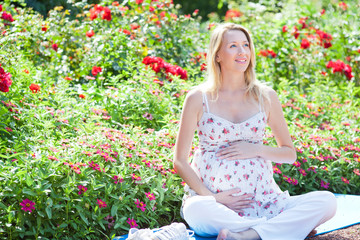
x=228 y=153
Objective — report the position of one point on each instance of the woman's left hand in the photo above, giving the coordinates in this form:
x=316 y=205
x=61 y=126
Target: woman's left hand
x=239 y=150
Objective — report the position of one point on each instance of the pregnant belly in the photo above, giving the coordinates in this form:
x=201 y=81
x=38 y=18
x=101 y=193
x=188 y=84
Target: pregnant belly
x=222 y=175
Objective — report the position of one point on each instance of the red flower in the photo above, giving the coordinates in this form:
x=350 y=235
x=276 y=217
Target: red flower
x=1 y=8
x=203 y=67
x=7 y=16
x=34 y=88
x=232 y=13
x=267 y=53
x=305 y=43
x=82 y=96
x=44 y=28
x=95 y=70
x=107 y=14
x=134 y=26
x=296 y=32
x=90 y=33
x=340 y=66
x=302 y=21
x=68 y=78
x=322 y=11
x=127 y=32
x=26 y=71
x=343 y=6
x=55 y=47
x=115 y=4
x=284 y=29
x=97 y=10
x=151 y=9
x=138 y=2
x=5 y=80
x=325 y=38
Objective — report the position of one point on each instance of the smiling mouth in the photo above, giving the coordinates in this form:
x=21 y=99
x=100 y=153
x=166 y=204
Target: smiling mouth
x=241 y=60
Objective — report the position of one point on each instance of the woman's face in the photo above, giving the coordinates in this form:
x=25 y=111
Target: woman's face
x=234 y=53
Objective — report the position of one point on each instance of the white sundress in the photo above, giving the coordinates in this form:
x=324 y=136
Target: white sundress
x=252 y=176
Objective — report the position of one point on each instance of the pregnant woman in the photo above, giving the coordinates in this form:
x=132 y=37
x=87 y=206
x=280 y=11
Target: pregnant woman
x=230 y=189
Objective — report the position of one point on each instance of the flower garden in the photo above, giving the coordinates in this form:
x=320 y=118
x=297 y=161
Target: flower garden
x=90 y=106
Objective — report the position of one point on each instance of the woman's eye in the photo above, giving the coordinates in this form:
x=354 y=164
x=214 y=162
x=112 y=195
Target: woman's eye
x=246 y=45
x=232 y=45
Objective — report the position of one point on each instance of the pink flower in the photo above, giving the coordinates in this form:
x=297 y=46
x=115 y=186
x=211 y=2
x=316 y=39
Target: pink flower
x=345 y=180
x=27 y=205
x=101 y=203
x=82 y=189
x=276 y=170
x=150 y=196
x=135 y=177
x=132 y=223
x=324 y=184
x=297 y=164
x=117 y=179
x=302 y=172
x=140 y=205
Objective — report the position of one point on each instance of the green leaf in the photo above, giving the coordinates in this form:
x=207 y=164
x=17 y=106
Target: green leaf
x=29 y=192
x=114 y=209
x=117 y=225
x=48 y=211
x=84 y=218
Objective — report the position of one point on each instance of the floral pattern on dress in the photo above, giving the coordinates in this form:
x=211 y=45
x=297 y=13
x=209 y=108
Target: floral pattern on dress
x=252 y=176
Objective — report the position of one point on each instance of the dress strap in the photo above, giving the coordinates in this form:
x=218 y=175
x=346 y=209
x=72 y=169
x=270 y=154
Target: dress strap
x=261 y=106
x=205 y=103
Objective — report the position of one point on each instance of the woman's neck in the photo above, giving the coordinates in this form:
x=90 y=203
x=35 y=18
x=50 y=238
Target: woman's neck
x=233 y=82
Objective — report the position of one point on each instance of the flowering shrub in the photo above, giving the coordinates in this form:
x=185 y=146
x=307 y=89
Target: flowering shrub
x=5 y=80
x=90 y=109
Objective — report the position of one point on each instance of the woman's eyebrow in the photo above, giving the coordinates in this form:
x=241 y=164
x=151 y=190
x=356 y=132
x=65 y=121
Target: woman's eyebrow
x=237 y=42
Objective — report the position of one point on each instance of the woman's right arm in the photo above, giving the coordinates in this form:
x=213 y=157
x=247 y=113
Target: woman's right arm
x=192 y=109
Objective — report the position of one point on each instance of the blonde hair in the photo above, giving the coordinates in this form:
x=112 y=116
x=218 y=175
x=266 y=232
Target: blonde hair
x=254 y=88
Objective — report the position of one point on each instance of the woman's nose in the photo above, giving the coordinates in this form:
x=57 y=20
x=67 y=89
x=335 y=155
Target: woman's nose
x=241 y=50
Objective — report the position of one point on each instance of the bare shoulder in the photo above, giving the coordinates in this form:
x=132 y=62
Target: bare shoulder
x=193 y=102
x=194 y=98
x=271 y=97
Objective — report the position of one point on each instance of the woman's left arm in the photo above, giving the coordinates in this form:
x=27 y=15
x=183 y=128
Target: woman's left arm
x=283 y=153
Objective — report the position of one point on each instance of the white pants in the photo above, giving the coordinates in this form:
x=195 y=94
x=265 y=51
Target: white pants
x=303 y=213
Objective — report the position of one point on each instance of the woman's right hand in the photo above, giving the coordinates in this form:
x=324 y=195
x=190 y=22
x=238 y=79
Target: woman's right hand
x=235 y=203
